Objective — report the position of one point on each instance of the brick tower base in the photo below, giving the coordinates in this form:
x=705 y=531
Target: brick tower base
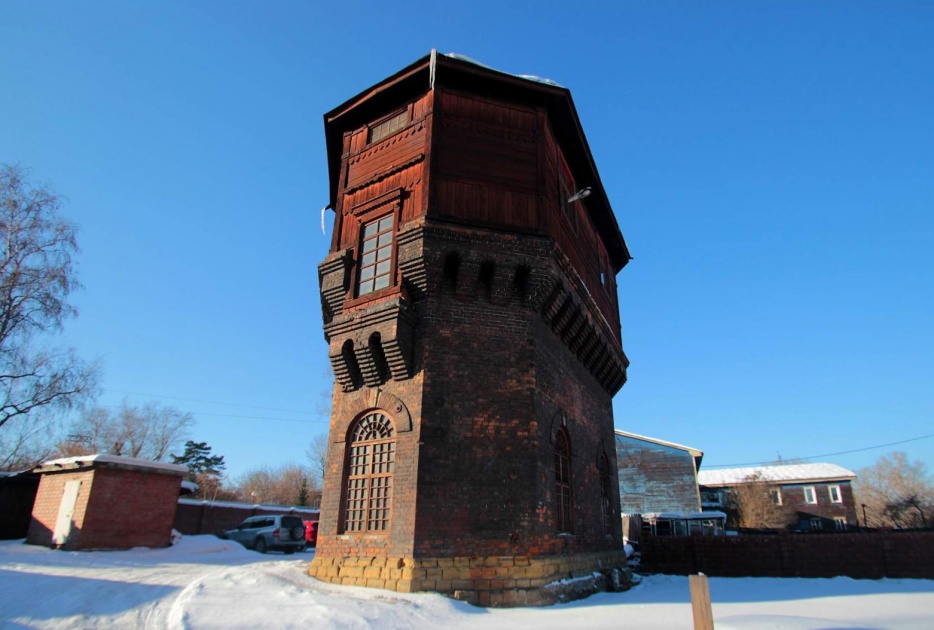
x=493 y=581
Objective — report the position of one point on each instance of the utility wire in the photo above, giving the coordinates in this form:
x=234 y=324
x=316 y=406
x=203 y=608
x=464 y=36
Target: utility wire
x=210 y=402
x=225 y=415
x=855 y=450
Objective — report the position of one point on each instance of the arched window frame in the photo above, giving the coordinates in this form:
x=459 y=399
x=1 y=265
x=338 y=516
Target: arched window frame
x=368 y=474
x=563 y=497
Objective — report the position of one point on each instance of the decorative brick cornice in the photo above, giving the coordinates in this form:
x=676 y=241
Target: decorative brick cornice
x=382 y=339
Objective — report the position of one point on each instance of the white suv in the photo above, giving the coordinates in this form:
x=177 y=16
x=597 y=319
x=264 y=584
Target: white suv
x=270 y=532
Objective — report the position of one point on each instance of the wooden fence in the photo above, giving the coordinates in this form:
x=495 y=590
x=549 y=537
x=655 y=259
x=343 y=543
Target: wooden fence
x=870 y=555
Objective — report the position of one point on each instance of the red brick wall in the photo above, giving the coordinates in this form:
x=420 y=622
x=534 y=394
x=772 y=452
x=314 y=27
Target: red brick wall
x=130 y=508
x=117 y=508
x=48 y=501
x=860 y=555
x=206 y=517
x=492 y=383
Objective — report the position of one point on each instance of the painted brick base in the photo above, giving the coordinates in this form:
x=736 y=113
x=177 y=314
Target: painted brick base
x=496 y=581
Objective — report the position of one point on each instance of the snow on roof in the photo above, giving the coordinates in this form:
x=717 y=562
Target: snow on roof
x=104 y=458
x=791 y=473
x=527 y=77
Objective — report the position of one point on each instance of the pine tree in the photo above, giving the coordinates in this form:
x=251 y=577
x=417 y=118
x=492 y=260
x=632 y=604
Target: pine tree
x=302 y=499
x=200 y=462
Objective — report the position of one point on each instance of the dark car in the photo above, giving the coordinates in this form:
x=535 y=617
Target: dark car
x=270 y=532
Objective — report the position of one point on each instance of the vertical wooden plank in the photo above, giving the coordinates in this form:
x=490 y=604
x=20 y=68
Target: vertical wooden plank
x=700 y=602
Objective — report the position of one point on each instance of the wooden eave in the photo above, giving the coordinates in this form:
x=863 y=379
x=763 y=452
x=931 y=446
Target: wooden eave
x=414 y=80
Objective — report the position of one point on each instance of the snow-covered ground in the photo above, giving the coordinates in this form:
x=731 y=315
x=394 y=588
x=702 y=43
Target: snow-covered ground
x=204 y=582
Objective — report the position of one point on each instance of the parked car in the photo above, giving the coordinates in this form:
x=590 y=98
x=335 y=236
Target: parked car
x=311 y=533
x=270 y=532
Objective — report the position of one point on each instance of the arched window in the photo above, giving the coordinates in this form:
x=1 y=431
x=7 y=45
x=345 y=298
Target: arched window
x=563 y=481
x=605 y=489
x=370 y=461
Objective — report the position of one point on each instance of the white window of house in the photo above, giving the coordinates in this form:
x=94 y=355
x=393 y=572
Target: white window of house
x=810 y=495
x=835 y=496
x=776 y=495
x=816 y=524
x=840 y=522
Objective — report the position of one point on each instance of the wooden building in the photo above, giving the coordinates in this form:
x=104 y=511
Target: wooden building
x=805 y=497
x=469 y=303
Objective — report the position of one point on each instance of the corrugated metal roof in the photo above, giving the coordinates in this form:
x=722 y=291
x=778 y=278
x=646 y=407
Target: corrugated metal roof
x=791 y=473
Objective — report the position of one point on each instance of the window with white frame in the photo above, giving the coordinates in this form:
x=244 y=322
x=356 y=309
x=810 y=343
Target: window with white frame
x=816 y=524
x=835 y=496
x=810 y=495
x=840 y=522
x=776 y=495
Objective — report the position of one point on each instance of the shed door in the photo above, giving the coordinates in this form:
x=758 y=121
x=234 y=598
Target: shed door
x=66 y=511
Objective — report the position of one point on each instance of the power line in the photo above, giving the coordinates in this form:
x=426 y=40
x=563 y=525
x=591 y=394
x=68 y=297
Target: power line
x=210 y=402
x=225 y=415
x=855 y=450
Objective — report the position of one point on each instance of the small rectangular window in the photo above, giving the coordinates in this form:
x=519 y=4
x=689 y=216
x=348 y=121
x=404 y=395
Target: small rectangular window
x=816 y=524
x=388 y=127
x=776 y=495
x=810 y=496
x=840 y=522
x=835 y=496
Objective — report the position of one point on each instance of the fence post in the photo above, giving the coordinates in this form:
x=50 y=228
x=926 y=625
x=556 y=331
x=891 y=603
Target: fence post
x=700 y=602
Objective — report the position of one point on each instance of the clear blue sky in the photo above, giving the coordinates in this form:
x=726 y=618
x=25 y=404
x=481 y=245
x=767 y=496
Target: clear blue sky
x=771 y=165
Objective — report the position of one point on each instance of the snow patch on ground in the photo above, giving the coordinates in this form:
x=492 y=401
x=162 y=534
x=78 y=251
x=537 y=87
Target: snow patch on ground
x=204 y=582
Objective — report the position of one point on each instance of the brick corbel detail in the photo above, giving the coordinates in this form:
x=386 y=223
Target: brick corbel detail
x=394 y=320
x=567 y=316
x=334 y=278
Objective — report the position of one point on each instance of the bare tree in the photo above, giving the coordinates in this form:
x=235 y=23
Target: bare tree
x=277 y=486
x=754 y=505
x=896 y=492
x=24 y=445
x=317 y=454
x=148 y=432
x=36 y=278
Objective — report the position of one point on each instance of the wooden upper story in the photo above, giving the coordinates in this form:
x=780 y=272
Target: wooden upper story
x=449 y=140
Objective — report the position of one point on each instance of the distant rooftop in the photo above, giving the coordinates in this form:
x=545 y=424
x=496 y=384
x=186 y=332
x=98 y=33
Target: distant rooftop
x=104 y=458
x=791 y=473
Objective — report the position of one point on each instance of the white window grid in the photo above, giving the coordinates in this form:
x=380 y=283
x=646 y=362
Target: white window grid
x=810 y=495
x=835 y=496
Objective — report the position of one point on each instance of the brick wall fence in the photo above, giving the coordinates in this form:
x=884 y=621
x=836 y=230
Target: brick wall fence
x=869 y=555
x=215 y=517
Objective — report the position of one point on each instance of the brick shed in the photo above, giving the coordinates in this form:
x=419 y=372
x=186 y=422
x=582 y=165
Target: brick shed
x=105 y=502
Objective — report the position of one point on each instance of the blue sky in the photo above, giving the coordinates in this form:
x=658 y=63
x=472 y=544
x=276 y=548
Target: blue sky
x=770 y=164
